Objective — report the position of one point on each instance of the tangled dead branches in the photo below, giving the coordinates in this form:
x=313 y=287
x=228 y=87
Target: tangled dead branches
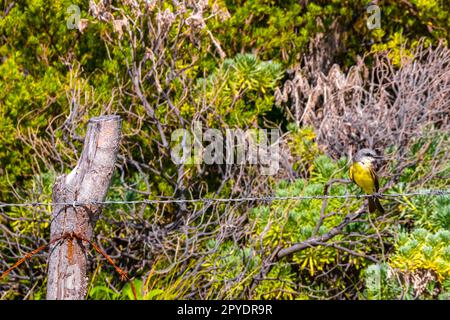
x=377 y=107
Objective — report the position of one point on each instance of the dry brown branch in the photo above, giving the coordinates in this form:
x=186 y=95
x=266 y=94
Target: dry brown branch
x=316 y=241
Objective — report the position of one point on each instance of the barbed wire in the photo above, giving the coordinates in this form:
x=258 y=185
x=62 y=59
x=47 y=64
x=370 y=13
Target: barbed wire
x=244 y=199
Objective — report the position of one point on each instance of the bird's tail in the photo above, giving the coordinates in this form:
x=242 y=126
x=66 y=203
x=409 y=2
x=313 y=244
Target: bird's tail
x=374 y=204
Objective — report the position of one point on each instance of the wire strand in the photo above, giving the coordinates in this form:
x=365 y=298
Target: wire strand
x=245 y=199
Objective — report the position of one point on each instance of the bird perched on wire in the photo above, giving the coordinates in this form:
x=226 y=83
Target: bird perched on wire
x=362 y=172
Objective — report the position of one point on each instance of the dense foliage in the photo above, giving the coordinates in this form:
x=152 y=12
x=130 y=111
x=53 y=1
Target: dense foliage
x=311 y=69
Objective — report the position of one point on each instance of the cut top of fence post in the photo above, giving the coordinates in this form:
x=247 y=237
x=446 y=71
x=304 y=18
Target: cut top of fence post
x=97 y=159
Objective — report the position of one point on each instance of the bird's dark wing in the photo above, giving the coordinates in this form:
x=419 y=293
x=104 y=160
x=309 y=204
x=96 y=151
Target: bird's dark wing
x=375 y=179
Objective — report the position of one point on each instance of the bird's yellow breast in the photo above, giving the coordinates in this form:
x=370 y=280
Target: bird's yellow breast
x=361 y=174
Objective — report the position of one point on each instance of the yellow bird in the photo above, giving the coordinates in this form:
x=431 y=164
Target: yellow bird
x=362 y=172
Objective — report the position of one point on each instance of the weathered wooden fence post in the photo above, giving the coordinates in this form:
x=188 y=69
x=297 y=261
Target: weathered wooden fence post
x=88 y=182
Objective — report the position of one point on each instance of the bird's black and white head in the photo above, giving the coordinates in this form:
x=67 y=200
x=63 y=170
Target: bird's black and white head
x=366 y=156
